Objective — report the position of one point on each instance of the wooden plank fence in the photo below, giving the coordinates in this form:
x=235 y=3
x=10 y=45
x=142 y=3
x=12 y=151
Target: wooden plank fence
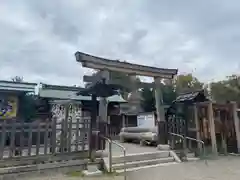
x=22 y=142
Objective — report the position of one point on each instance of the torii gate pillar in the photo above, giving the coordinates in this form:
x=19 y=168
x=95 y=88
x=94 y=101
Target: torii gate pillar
x=161 y=122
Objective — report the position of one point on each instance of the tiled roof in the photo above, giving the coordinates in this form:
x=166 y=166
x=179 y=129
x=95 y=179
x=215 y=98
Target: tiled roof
x=192 y=96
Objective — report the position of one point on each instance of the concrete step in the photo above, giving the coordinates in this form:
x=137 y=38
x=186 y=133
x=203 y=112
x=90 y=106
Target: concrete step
x=140 y=157
x=92 y=170
x=120 y=171
x=135 y=164
x=190 y=155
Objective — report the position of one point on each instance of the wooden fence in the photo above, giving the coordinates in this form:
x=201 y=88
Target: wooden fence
x=42 y=141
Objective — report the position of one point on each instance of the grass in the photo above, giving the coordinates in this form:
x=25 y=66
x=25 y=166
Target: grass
x=75 y=174
x=114 y=173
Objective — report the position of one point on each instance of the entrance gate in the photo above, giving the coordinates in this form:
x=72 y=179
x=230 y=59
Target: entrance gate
x=105 y=66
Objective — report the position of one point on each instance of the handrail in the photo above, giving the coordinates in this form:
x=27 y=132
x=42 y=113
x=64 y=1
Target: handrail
x=192 y=139
x=179 y=135
x=124 y=156
x=109 y=152
x=183 y=138
x=199 y=141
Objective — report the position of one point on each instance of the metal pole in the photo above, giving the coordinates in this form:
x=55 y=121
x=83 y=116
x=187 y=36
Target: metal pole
x=110 y=156
x=125 y=171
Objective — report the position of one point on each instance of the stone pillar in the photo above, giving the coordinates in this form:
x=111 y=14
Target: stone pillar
x=103 y=104
x=161 y=123
x=102 y=111
x=236 y=123
x=195 y=110
x=92 y=130
x=212 y=128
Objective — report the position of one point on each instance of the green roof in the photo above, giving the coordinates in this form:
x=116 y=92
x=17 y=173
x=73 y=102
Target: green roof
x=69 y=93
x=17 y=86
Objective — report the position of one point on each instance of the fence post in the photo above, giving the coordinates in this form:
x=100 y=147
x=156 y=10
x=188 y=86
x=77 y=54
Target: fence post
x=12 y=139
x=21 y=137
x=236 y=124
x=46 y=136
x=38 y=137
x=69 y=133
x=3 y=138
x=77 y=132
x=53 y=135
x=31 y=126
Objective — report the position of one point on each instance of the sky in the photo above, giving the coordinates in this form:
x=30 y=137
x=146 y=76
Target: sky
x=38 y=39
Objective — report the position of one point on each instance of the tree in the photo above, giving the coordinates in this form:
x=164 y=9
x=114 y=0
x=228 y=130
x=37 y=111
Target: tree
x=186 y=83
x=17 y=79
x=183 y=83
x=226 y=90
x=148 y=100
x=27 y=107
x=126 y=81
x=148 y=96
x=169 y=93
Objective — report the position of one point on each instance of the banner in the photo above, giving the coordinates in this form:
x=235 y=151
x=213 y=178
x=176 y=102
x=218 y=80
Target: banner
x=8 y=107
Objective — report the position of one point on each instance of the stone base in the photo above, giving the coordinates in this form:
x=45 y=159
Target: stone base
x=163 y=147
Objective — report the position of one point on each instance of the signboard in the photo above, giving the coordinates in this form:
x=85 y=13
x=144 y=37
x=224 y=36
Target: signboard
x=146 y=120
x=8 y=107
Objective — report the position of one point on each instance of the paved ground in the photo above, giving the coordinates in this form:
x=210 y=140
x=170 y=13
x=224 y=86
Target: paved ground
x=132 y=149
x=225 y=168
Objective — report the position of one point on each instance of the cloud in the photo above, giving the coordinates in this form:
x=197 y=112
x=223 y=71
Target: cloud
x=39 y=38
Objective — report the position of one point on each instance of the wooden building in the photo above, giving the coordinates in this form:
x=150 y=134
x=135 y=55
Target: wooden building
x=195 y=116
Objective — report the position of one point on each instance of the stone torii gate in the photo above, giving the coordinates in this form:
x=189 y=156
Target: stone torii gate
x=106 y=65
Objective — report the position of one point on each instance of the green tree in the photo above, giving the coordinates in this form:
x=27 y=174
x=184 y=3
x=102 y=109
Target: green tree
x=27 y=103
x=169 y=93
x=183 y=83
x=186 y=83
x=129 y=83
x=226 y=90
x=148 y=97
x=27 y=107
x=148 y=100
